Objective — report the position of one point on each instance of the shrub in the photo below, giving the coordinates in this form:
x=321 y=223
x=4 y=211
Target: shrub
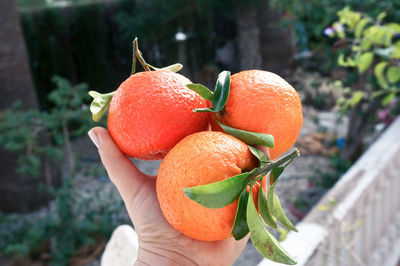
x=370 y=50
x=73 y=219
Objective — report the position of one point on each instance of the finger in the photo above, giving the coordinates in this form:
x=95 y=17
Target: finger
x=239 y=246
x=122 y=172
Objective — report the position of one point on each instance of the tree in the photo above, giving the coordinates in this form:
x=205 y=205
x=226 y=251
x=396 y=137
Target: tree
x=17 y=193
x=248 y=38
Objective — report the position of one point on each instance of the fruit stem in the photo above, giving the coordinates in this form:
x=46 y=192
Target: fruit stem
x=137 y=54
x=260 y=172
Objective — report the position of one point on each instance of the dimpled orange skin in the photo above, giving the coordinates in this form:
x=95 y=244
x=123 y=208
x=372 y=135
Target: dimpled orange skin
x=263 y=102
x=199 y=159
x=152 y=111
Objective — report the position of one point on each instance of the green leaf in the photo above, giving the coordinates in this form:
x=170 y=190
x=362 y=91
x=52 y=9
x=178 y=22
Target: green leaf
x=282 y=234
x=380 y=35
x=356 y=48
x=262 y=158
x=248 y=137
x=393 y=27
x=356 y=98
x=396 y=50
x=378 y=94
x=174 y=68
x=221 y=92
x=378 y=71
x=273 y=202
x=218 y=194
x=349 y=62
x=240 y=228
x=360 y=26
x=365 y=43
x=341 y=61
x=348 y=17
x=276 y=173
x=393 y=74
x=100 y=103
x=381 y=16
x=201 y=90
x=275 y=208
x=388 y=98
x=263 y=240
x=364 y=61
x=263 y=207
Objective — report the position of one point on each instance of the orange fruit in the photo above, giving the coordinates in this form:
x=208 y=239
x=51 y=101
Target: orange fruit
x=152 y=111
x=202 y=158
x=263 y=102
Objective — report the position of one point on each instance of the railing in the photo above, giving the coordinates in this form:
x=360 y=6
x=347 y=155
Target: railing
x=359 y=223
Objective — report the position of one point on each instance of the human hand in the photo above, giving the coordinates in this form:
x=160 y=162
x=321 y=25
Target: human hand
x=159 y=242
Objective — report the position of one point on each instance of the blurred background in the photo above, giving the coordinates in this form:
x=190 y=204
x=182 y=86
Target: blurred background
x=57 y=206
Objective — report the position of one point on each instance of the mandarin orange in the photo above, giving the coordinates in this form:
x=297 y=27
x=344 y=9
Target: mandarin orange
x=152 y=111
x=202 y=158
x=263 y=102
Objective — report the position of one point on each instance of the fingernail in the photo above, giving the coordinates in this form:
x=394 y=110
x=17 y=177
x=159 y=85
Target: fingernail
x=94 y=138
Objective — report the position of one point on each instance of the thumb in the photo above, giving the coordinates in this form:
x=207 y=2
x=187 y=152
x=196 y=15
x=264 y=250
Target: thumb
x=122 y=172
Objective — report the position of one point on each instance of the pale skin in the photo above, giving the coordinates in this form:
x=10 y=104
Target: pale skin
x=159 y=242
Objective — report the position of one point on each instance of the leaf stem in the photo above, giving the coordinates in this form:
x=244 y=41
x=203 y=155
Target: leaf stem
x=139 y=56
x=133 y=57
x=260 y=172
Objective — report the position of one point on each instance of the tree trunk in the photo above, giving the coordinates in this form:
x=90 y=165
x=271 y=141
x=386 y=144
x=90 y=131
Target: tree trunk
x=248 y=39
x=262 y=42
x=357 y=129
x=360 y=119
x=17 y=192
x=278 y=47
x=15 y=77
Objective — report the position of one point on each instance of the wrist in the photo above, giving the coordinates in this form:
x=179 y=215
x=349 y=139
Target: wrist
x=161 y=256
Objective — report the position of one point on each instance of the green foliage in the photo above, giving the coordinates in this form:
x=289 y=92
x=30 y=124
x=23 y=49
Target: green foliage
x=371 y=46
x=71 y=109
x=315 y=15
x=25 y=131
x=72 y=220
x=19 y=132
x=76 y=221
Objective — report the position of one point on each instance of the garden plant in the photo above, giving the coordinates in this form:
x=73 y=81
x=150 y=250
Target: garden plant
x=370 y=50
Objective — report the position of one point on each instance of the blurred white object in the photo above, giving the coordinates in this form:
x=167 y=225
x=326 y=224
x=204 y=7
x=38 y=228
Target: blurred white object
x=180 y=36
x=122 y=248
